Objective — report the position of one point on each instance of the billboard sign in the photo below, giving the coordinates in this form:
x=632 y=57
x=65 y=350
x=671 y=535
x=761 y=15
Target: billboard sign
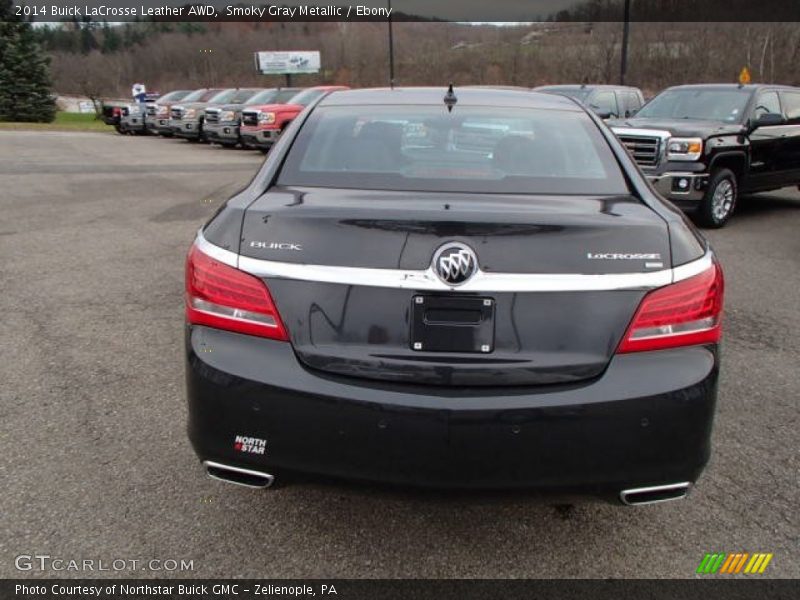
x=287 y=63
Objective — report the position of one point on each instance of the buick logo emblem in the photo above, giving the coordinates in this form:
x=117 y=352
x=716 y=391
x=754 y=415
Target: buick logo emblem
x=455 y=263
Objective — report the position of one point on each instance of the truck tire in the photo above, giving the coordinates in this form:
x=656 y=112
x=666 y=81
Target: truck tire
x=201 y=134
x=719 y=201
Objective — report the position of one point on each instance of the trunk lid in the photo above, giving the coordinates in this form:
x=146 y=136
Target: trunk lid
x=538 y=338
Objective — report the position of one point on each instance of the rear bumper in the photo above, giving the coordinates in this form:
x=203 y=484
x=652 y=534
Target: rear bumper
x=225 y=133
x=646 y=421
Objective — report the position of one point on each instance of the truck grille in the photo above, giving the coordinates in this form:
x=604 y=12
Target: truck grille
x=644 y=150
x=176 y=113
x=151 y=110
x=212 y=115
x=250 y=117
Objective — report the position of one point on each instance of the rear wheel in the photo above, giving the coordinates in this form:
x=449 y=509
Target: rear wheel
x=719 y=201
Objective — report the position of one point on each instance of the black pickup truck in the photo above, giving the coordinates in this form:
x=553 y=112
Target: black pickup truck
x=701 y=146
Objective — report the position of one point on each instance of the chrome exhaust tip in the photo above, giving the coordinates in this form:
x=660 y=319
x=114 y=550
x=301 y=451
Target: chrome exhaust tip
x=238 y=476
x=654 y=494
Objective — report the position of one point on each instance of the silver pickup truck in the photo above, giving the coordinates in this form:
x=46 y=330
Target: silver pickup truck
x=222 y=122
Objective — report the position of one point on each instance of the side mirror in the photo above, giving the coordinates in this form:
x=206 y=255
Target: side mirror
x=603 y=113
x=767 y=120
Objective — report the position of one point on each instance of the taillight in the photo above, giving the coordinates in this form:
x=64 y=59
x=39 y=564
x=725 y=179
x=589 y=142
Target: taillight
x=685 y=313
x=220 y=296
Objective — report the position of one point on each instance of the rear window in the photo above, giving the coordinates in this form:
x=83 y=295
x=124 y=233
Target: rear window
x=472 y=149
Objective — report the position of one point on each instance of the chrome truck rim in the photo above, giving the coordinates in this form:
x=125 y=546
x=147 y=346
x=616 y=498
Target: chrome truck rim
x=722 y=202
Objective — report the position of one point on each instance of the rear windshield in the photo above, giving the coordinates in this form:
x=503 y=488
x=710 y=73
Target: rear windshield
x=697 y=104
x=472 y=149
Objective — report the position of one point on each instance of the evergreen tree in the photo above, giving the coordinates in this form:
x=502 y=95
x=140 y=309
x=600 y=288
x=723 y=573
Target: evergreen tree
x=112 y=41
x=24 y=71
x=88 y=43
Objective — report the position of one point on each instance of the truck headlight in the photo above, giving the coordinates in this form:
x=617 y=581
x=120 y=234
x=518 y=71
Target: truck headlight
x=268 y=117
x=684 y=148
x=134 y=110
x=227 y=115
x=190 y=113
x=161 y=109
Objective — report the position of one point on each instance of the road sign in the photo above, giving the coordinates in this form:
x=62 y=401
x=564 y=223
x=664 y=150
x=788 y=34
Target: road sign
x=287 y=63
x=744 y=76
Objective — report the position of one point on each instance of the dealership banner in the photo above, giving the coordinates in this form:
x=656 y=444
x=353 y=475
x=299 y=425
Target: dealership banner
x=287 y=63
x=400 y=589
x=508 y=11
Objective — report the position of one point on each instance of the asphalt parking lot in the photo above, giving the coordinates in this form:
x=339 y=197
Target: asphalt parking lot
x=96 y=464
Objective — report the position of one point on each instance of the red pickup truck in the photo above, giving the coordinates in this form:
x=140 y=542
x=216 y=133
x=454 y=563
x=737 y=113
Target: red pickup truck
x=262 y=125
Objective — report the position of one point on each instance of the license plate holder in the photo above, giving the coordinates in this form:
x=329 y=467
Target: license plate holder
x=452 y=324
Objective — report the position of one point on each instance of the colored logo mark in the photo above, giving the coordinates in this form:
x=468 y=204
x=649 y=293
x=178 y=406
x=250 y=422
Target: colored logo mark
x=740 y=562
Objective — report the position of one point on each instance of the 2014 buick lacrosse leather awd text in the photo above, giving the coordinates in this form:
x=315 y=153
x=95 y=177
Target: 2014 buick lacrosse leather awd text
x=463 y=288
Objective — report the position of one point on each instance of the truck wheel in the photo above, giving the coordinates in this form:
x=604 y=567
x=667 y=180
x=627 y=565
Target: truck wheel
x=719 y=200
x=119 y=129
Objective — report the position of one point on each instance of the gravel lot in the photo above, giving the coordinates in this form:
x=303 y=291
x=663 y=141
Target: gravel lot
x=96 y=463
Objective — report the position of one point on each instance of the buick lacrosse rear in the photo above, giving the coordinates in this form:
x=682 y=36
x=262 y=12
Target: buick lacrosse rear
x=471 y=289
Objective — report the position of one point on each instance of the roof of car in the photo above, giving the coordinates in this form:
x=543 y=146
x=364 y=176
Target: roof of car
x=467 y=96
x=730 y=86
x=588 y=86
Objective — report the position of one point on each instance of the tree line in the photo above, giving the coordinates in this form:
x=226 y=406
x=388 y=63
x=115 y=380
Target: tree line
x=97 y=59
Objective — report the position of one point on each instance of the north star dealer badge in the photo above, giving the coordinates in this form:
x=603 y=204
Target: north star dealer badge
x=250 y=445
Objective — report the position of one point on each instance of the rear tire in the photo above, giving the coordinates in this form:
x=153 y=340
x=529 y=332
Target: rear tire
x=719 y=201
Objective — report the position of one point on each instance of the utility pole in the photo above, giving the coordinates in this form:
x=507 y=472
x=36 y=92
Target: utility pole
x=391 y=47
x=623 y=68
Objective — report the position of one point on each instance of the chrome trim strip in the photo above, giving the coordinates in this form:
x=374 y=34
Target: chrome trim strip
x=693 y=268
x=684 y=485
x=480 y=282
x=660 y=133
x=217 y=253
x=687 y=174
x=428 y=281
x=268 y=479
